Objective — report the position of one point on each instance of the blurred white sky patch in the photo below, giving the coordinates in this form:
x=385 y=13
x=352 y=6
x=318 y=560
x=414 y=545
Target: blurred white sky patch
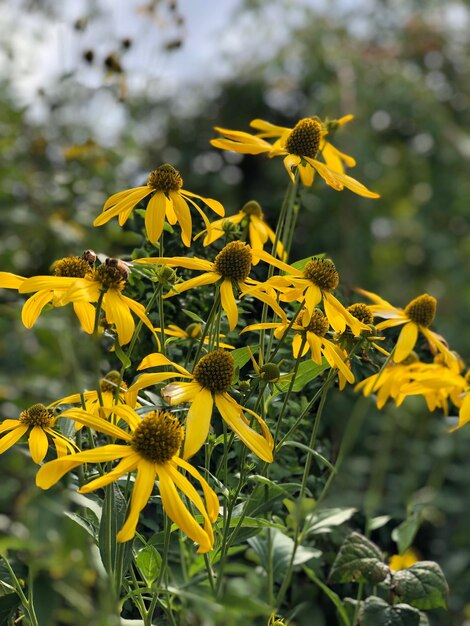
x=97 y=54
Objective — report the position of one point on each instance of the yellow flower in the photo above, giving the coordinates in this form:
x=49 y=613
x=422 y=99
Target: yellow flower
x=209 y=383
x=94 y=401
x=39 y=422
x=107 y=280
x=300 y=147
x=311 y=337
x=231 y=265
x=417 y=316
x=168 y=199
x=51 y=290
x=151 y=448
x=258 y=230
x=312 y=285
x=403 y=561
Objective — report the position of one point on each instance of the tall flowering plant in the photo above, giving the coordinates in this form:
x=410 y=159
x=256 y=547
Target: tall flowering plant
x=194 y=422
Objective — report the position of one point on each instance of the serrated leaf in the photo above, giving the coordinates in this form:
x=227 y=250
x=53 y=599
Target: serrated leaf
x=359 y=560
x=308 y=370
x=376 y=612
x=423 y=585
x=149 y=562
x=404 y=534
x=277 y=550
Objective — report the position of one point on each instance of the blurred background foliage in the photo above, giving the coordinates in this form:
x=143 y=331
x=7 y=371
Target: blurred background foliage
x=92 y=99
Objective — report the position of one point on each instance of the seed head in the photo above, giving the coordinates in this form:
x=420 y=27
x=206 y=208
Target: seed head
x=72 y=266
x=37 y=415
x=158 y=437
x=304 y=139
x=165 y=178
x=318 y=324
x=422 y=310
x=234 y=261
x=215 y=371
x=322 y=273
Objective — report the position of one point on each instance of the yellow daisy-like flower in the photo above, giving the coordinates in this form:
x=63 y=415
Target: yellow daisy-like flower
x=311 y=337
x=193 y=332
x=208 y=384
x=258 y=230
x=152 y=449
x=300 y=147
x=403 y=561
x=231 y=266
x=107 y=280
x=106 y=398
x=38 y=421
x=168 y=199
x=51 y=290
x=416 y=318
x=312 y=285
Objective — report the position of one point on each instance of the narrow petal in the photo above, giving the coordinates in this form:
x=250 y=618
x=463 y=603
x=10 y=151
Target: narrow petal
x=123 y=205
x=156 y=359
x=12 y=437
x=53 y=471
x=198 y=422
x=148 y=380
x=97 y=423
x=118 y=313
x=228 y=302
x=10 y=281
x=139 y=310
x=212 y=501
x=268 y=258
x=38 y=444
x=338 y=181
x=178 y=513
x=290 y=162
x=189 y=263
x=315 y=344
x=208 y=278
x=183 y=216
x=126 y=464
x=176 y=393
x=33 y=307
x=336 y=358
x=232 y=413
x=37 y=283
x=307 y=174
x=86 y=314
x=143 y=487
x=215 y=205
x=155 y=216
x=9 y=425
x=406 y=341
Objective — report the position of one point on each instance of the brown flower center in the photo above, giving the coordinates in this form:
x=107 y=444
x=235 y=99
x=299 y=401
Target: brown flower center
x=361 y=312
x=322 y=273
x=72 y=266
x=318 y=323
x=234 y=261
x=37 y=415
x=111 y=275
x=422 y=310
x=215 y=371
x=165 y=178
x=158 y=437
x=304 y=139
x=111 y=381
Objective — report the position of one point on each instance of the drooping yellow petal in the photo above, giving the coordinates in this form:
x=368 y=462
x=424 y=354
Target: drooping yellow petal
x=183 y=216
x=86 y=315
x=139 y=310
x=215 y=205
x=176 y=393
x=228 y=302
x=232 y=413
x=33 y=306
x=10 y=281
x=53 y=471
x=127 y=464
x=307 y=174
x=406 y=341
x=156 y=359
x=38 y=444
x=123 y=205
x=198 y=422
x=155 y=216
x=148 y=380
x=338 y=181
x=141 y=493
x=267 y=129
x=315 y=344
x=336 y=358
x=212 y=501
x=177 y=261
x=178 y=513
x=291 y=161
x=208 y=278
x=118 y=313
x=9 y=425
x=97 y=423
x=12 y=437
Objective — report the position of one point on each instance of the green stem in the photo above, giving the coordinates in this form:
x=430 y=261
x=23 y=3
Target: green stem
x=26 y=604
x=98 y=312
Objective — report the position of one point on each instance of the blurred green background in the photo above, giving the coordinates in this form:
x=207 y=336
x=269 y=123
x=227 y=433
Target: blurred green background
x=94 y=97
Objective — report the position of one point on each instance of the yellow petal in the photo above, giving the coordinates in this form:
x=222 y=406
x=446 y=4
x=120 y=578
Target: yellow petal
x=215 y=205
x=12 y=437
x=155 y=216
x=228 y=302
x=198 y=422
x=141 y=493
x=127 y=464
x=38 y=444
x=208 y=278
x=118 y=313
x=178 y=513
x=315 y=344
x=53 y=471
x=36 y=283
x=86 y=314
x=123 y=205
x=307 y=174
x=212 y=501
x=177 y=261
x=156 y=359
x=183 y=216
x=33 y=306
x=339 y=181
x=176 y=393
x=97 y=423
x=10 y=281
x=406 y=341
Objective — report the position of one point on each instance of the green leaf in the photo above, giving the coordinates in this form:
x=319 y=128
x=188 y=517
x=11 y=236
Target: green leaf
x=379 y=521
x=125 y=360
x=376 y=612
x=359 y=560
x=149 y=562
x=423 y=585
x=8 y=605
x=299 y=265
x=404 y=534
x=275 y=551
x=341 y=606
x=325 y=520
x=308 y=370
x=317 y=455
x=241 y=356
x=193 y=316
